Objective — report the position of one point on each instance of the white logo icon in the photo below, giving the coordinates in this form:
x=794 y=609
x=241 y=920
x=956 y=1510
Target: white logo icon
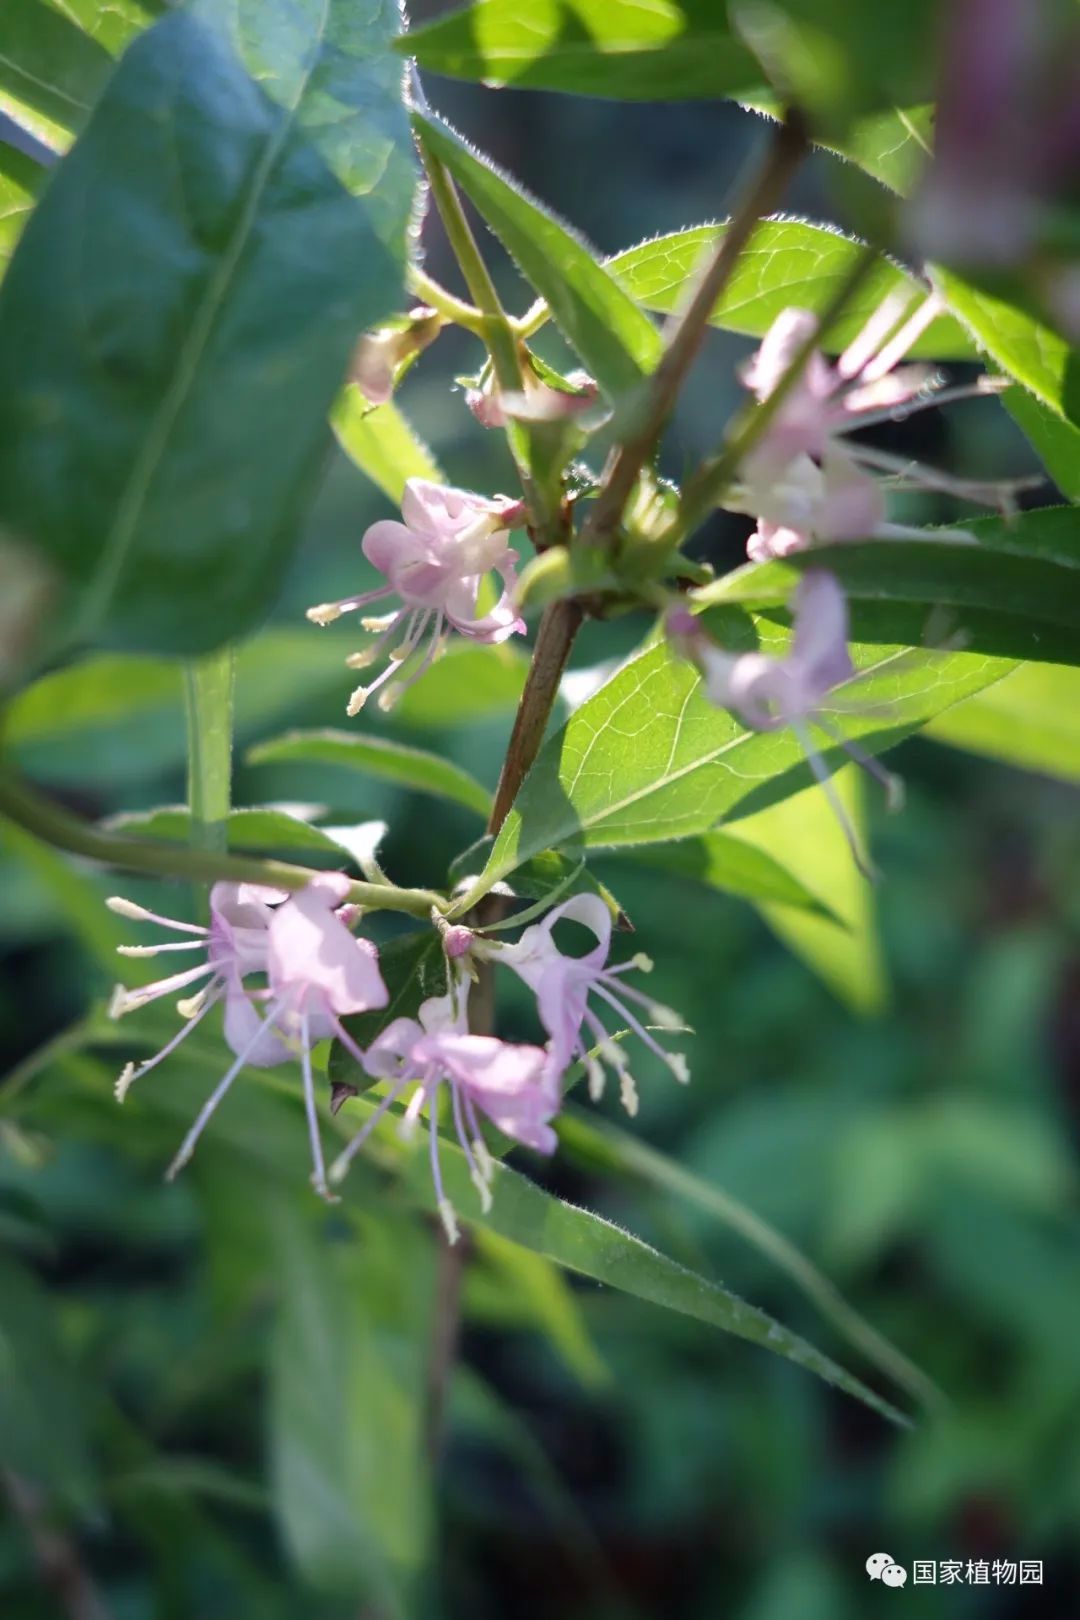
x=881 y=1567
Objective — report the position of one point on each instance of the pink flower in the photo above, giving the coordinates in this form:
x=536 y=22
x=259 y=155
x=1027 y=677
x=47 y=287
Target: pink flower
x=435 y=562
x=380 y=355
x=537 y=402
x=514 y=1086
x=236 y=945
x=564 y=984
x=769 y=693
x=317 y=972
x=803 y=480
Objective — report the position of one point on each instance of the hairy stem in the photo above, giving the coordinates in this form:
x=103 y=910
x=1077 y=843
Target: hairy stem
x=436 y=297
x=54 y=825
x=761 y=194
x=208 y=700
x=496 y=329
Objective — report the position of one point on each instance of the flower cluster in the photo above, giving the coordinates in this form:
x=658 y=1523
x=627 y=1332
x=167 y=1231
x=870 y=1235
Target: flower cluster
x=803 y=480
x=289 y=969
x=435 y=563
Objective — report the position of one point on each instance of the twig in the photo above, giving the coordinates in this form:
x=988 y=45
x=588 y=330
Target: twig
x=161 y=858
x=787 y=148
x=554 y=639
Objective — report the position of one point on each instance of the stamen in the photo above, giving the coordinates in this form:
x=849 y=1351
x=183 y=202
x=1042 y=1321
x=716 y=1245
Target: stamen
x=156 y=950
x=628 y=1094
x=327 y=612
x=866 y=343
x=904 y=339
x=341 y=1163
x=318 y=1179
x=673 y=1061
x=442 y=1203
x=188 y=1145
x=130 y=1073
x=449 y=1220
x=134 y=913
x=475 y=1176
x=825 y=782
x=125 y=1000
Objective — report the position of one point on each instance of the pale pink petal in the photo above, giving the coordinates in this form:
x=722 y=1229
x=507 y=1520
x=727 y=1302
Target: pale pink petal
x=242 y=1022
x=819 y=652
x=311 y=950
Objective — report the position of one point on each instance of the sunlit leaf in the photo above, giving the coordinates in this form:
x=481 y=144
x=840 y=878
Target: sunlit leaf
x=20 y=177
x=262 y=829
x=381 y=442
x=787 y=262
x=617 y=343
x=648 y=758
x=727 y=861
x=677 y=50
x=1030 y=719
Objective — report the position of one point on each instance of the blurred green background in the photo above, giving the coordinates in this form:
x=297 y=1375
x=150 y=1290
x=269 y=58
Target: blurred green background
x=603 y=1459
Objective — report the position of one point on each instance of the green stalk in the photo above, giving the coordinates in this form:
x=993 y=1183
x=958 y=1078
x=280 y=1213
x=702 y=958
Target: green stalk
x=208 y=699
x=55 y=825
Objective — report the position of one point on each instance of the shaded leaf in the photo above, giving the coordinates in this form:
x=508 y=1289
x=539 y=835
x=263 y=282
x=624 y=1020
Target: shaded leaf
x=44 y=1406
x=600 y=1143
x=259 y=828
x=468 y=684
x=1016 y=592
x=728 y=861
x=786 y=262
x=114 y=717
x=376 y=756
x=1054 y=438
x=347 y=1362
x=158 y=455
x=618 y=344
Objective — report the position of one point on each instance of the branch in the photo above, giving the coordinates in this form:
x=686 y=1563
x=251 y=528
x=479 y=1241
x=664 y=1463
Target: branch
x=55 y=1554
x=762 y=194
x=54 y=825
x=558 y=627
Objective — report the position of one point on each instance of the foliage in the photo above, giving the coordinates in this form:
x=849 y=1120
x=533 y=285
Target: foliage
x=597 y=701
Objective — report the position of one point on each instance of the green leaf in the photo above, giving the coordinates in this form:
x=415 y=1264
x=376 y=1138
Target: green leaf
x=786 y=262
x=381 y=443
x=113 y=717
x=376 y=756
x=648 y=758
x=79 y=895
x=843 y=949
x=1015 y=593
x=1020 y=344
x=891 y=146
x=591 y=1246
x=347 y=1365
x=679 y=50
x=728 y=862
x=44 y=1406
x=261 y=829
x=52 y=67
x=598 y=1142
x=524 y=1278
x=1030 y=719
x=548 y=876
x=617 y=343
x=1055 y=440
x=159 y=454
x=20 y=177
